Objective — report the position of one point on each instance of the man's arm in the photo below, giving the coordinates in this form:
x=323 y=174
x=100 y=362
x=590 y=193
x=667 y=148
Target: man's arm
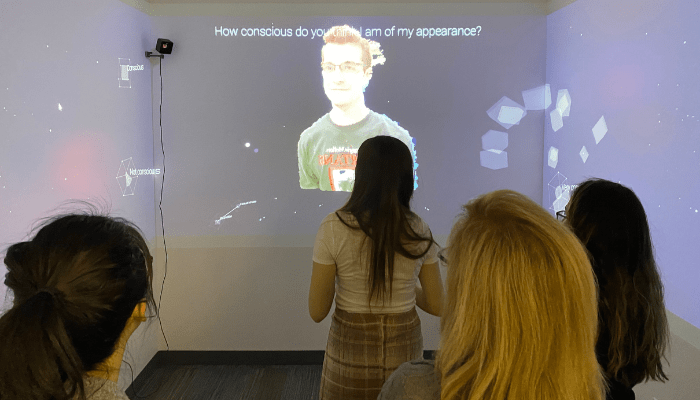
x=394 y=129
x=408 y=140
x=307 y=178
x=415 y=162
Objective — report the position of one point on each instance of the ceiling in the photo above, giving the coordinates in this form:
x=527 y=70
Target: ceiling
x=537 y=2
x=346 y=7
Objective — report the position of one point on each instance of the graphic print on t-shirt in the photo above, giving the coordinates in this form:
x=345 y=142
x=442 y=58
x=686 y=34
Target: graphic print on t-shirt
x=341 y=162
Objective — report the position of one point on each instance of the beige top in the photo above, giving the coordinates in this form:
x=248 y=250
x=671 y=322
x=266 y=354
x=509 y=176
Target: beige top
x=102 y=389
x=340 y=245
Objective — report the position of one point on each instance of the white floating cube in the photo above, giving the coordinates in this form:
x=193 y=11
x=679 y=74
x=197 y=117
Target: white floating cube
x=127 y=183
x=506 y=112
x=553 y=157
x=494 y=159
x=557 y=120
x=600 y=129
x=562 y=196
x=539 y=98
x=557 y=180
x=494 y=140
x=564 y=102
x=584 y=154
x=510 y=115
x=560 y=203
x=558 y=189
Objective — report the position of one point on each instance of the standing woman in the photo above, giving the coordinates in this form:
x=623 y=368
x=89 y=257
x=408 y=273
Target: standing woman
x=610 y=221
x=370 y=253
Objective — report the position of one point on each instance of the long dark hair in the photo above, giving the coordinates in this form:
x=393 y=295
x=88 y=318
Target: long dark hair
x=610 y=221
x=380 y=204
x=98 y=268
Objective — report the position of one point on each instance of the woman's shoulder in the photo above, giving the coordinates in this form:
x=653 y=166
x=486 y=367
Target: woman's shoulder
x=415 y=379
x=335 y=216
x=417 y=223
x=102 y=389
x=618 y=391
x=338 y=222
x=418 y=367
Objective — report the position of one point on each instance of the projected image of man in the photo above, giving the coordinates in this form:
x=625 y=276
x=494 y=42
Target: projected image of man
x=327 y=150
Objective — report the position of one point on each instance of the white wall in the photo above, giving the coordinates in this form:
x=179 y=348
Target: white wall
x=682 y=367
x=202 y=311
x=68 y=53
x=247 y=292
x=629 y=61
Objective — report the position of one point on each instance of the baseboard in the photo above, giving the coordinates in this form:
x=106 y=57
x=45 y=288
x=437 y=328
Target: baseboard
x=311 y=357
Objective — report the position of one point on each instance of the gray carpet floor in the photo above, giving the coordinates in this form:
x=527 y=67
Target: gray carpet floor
x=232 y=382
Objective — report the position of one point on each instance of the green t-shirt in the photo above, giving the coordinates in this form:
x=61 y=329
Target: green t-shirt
x=327 y=153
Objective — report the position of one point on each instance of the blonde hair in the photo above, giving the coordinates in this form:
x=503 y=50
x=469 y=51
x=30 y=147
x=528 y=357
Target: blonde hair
x=371 y=53
x=521 y=315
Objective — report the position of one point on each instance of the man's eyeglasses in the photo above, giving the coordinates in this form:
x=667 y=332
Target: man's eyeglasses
x=561 y=215
x=347 y=67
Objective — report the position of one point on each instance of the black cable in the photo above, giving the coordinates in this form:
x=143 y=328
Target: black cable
x=160 y=205
x=162 y=224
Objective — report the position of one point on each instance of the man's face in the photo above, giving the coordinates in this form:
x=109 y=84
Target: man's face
x=344 y=88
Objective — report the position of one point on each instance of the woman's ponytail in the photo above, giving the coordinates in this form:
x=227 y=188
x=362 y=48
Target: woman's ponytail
x=37 y=355
x=75 y=286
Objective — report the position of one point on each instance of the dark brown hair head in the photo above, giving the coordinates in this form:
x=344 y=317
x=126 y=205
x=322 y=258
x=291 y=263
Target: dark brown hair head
x=75 y=285
x=380 y=204
x=611 y=223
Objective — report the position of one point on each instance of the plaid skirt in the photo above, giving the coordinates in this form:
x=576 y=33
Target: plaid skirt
x=363 y=350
